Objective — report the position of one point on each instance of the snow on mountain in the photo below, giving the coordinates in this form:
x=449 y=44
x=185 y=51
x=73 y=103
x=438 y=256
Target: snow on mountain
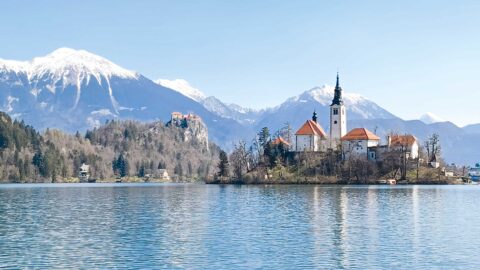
x=297 y=109
x=13 y=66
x=359 y=106
x=211 y=103
x=65 y=67
x=231 y=111
x=69 y=65
x=183 y=87
x=430 y=118
x=75 y=90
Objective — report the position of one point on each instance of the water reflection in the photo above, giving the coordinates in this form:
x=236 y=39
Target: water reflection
x=238 y=227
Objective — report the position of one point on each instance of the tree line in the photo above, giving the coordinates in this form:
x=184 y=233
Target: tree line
x=263 y=161
x=116 y=149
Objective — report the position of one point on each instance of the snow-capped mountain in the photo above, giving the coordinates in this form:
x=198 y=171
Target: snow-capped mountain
x=71 y=67
x=232 y=111
x=75 y=90
x=296 y=110
x=430 y=118
x=211 y=103
x=61 y=74
x=183 y=87
x=358 y=106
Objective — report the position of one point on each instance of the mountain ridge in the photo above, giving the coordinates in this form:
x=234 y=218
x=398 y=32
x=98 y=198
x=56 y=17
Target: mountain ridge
x=76 y=90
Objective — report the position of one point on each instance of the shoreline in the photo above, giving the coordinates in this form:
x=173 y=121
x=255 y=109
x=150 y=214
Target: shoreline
x=331 y=182
x=261 y=182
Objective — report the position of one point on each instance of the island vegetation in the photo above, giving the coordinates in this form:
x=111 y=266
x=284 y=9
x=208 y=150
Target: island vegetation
x=264 y=161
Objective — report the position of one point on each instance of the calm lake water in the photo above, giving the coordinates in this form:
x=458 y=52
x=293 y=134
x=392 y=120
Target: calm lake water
x=193 y=226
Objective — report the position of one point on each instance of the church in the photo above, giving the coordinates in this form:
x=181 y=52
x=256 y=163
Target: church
x=359 y=142
x=311 y=137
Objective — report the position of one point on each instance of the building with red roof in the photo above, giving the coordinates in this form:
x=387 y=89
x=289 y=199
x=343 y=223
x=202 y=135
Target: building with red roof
x=360 y=142
x=279 y=141
x=311 y=137
x=407 y=143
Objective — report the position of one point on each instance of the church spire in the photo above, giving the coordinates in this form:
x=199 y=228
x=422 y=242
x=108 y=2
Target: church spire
x=337 y=98
x=314 y=117
x=338 y=81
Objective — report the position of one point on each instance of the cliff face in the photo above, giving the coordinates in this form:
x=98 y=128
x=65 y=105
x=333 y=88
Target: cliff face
x=193 y=128
x=197 y=130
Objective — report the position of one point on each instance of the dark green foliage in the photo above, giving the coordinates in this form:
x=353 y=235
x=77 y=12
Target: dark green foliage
x=141 y=171
x=120 y=166
x=223 y=166
x=184 y=123
x=89 y=135
x=48 y=164
x=28 y=156
x=162 y=165
x=178 y=169
x=16 y=134
x=264 y=136
x=39 y=162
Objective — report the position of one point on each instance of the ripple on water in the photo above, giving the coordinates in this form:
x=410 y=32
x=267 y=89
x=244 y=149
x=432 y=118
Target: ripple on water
x=238 y=227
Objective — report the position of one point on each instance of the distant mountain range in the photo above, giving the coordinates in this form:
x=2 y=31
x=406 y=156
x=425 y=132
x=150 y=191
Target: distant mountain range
x=212 y=104
x=430 y=118
x=77 y=90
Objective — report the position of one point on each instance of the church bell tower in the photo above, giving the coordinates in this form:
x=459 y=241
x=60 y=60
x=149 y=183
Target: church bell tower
x=338 y=116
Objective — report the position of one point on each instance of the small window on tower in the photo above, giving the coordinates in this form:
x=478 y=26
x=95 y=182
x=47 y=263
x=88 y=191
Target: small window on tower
x=335 y=122
x=335 y=111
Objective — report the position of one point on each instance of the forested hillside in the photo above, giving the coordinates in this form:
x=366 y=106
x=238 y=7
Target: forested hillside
x=118 y=148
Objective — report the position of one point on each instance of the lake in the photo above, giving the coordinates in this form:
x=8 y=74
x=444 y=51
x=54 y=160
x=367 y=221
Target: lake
x=196 y=226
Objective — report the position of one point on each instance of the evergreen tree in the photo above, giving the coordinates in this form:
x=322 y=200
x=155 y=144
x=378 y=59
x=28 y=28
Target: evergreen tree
x=141 y=171
x=264 y=136
x=184 y=123
x=270 y=155
x=120 y=166
x=161 y=165
x=223 y=166
x=38 y=161
x=178 y=170
x=89 y=135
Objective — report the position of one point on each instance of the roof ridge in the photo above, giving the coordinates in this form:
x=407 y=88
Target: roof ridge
x=311 y=128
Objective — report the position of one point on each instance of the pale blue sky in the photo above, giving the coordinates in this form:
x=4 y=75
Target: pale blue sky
x=409 y=56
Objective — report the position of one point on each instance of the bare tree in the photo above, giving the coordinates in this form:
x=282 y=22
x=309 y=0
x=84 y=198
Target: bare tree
x=239 y=160
x=432 y=144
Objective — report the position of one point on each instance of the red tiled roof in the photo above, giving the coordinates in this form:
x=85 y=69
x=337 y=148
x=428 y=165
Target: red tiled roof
x=311 y=128
x=280 y=140
x=402 y=140
x=360 y=134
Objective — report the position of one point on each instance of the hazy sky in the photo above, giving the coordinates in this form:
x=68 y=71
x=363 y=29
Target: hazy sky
x=408 y=56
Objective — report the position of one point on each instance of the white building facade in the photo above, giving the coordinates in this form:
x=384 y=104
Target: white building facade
x=311 y=137
x=360 y=143
x=407 y=143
